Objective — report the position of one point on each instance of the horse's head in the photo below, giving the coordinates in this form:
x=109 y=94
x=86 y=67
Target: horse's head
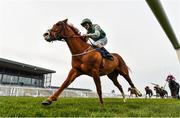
x=156 y=88
x=129 y=89
x=147 y=87
x=62 y=30
x=57 y=32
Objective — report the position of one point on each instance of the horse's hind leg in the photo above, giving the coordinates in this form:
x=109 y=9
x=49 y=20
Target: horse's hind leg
x=177 y=93
x=113 y=76
x=123 y=70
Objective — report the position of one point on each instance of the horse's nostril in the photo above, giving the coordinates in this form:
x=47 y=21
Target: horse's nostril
x=46 y=34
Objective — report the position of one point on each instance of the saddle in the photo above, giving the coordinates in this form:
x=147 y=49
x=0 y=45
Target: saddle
x=104 y=53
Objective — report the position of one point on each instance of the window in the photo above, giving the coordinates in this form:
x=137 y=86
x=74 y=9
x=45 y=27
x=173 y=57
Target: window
x=41 y=83
x=6 y=79
x=34 y=82
x=13 y=79
x=0 y=77
x=24 y=81
x=47 y=80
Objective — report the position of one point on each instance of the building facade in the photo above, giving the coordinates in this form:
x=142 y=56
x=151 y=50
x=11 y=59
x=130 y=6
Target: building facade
x=20 y=74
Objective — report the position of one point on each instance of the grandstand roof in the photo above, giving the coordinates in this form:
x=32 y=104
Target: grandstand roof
x=5 y=63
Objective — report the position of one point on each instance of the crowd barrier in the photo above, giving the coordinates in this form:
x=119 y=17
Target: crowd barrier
x=44 y=92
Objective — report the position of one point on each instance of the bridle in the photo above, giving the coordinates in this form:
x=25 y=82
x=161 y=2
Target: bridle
x=62 y=35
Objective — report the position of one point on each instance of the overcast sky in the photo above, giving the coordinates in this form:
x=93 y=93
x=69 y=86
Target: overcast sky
x=131 y=28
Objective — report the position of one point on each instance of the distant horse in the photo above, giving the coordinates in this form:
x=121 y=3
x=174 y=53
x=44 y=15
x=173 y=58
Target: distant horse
x=149 y=92
x=86 y=60
x=132 y=92
x=173 y=86
x=160 y=92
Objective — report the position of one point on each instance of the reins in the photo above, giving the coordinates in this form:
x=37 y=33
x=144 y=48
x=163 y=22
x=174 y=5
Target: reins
x=79 y=54
x=84 y=52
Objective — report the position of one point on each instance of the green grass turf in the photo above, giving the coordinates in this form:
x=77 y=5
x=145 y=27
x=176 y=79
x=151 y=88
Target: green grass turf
x=82 y=107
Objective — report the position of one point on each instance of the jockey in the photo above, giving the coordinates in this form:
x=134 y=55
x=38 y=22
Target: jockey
x=170 y=77
x=97 y=35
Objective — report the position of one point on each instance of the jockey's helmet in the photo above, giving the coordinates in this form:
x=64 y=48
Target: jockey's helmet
x=86 y=20
x=170 y=77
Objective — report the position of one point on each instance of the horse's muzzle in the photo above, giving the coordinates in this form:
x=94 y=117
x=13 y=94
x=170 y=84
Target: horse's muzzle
x=47 y=36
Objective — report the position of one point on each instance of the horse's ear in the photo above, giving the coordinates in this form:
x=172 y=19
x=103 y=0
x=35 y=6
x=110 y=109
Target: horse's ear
x=65 y=21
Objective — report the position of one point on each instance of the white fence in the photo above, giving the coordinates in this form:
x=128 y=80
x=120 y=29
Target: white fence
x=43 y=92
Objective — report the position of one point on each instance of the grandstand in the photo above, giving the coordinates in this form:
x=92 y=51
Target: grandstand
x=20 y=74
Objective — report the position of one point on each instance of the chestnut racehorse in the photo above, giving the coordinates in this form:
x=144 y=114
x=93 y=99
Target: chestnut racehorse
x=86 y=60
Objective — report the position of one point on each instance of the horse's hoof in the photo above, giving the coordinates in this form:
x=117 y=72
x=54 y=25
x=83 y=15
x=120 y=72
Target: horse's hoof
x=124 y=100
x=140 y=95
x=46 y=102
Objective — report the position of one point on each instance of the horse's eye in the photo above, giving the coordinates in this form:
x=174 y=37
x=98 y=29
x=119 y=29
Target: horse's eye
x=56 y=29
x=57 y=24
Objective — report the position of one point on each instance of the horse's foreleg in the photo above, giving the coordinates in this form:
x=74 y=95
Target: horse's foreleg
x=149 y=95
x=72 y=75
x=146 y=95
x=97 y=81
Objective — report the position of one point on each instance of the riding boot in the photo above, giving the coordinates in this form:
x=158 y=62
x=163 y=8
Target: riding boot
x=106 y=54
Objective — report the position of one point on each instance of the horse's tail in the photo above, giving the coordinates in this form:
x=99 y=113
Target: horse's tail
x=129 y=69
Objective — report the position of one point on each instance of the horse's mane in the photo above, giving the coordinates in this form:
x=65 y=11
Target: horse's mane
x=76 y=31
